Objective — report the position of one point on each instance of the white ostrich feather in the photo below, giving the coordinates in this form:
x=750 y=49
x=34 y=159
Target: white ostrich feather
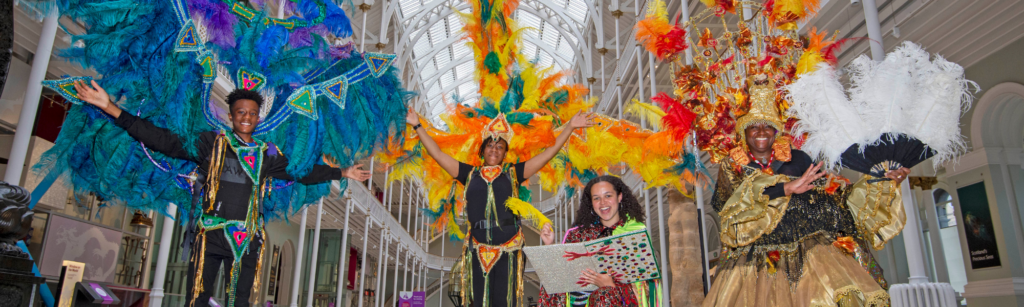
x=944 y=95
x=886 y=89
x=830 y=119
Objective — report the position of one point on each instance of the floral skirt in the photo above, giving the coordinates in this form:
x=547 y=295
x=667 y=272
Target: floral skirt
x=811 y=273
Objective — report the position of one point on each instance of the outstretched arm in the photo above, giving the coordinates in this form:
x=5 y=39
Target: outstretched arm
x=580 y=120
x=444 y=160
x=319 y=173
x=156 y=138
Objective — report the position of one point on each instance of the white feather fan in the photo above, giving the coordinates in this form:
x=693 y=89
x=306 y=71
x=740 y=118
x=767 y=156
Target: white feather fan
x=830 y=120
x=907 y=93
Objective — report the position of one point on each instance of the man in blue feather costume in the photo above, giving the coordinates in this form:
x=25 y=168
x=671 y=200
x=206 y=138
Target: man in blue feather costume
x=236 y=168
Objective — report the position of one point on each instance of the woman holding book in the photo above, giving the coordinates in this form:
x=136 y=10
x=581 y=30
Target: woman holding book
x=608 y=209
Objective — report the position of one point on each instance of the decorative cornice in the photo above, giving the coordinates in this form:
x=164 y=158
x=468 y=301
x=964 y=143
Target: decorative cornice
x=925 y=183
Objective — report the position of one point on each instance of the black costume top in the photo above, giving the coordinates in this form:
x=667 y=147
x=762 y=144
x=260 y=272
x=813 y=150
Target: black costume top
x=476 y=203
x=235 y=186
x=807 y=213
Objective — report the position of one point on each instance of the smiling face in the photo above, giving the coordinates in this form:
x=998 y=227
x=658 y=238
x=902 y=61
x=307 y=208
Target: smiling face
x=245 y=114
x=493 y=151
x=605 y=200
x=760 y=138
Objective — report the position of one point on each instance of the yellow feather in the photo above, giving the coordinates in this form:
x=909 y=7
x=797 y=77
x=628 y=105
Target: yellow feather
x=527 y=212
x=649 y=112
x=658 y=10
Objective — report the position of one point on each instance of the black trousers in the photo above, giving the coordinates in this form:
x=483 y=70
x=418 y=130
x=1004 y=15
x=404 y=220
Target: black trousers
x=218 y=252
x=502 y=286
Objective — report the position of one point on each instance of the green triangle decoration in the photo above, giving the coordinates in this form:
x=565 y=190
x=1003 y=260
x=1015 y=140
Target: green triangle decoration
x=302 y=101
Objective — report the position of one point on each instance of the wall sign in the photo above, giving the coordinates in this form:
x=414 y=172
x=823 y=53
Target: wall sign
x=977 y=221
x=70 y=274
x=412 y=299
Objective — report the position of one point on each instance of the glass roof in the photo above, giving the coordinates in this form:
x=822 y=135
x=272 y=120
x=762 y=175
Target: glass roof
x=445 y=63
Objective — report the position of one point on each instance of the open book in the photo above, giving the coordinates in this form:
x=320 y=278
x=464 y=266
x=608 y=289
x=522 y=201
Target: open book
x=628 y=257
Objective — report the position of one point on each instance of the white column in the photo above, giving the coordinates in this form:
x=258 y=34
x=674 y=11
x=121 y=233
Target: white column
x=558 y=217
x=618 y=53
x=27 y=119
x=440 y=283
x=413 y=277
x=647 y=204
x=394 y=278
x=1011 y=197
x=316 y=250
x=414 y=227
x=572 y=211
x=298 y=259
x=912 y=237
x=640 y=81
x=654 y=86
x=874 y=29
x=369 y=185
x=412 y=200
x=156 y=295
x=362 y=272
x=686 y=18
x=146 y=267
x=405 y=275
x=661 y=237
x=618 y=92
x=382 y=258
x=387 y=189
x=344 y=254
x=362 y=48
x=941 y=271
x=703 y=235
x=699 y=194
x=401 y=201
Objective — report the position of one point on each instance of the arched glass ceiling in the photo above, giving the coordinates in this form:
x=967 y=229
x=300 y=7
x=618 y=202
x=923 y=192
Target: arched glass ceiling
x=445 y=64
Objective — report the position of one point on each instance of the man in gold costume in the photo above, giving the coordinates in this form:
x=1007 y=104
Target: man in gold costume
x=796 y=236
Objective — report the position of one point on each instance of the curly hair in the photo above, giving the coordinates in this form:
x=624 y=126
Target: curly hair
x=629 y=207
x=239 y=94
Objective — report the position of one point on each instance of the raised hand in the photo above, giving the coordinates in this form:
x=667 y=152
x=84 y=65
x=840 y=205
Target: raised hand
x=898 y=175
x=355 y=173
x=412 y=118
x=805 y=182
x=582 y=120
x=94 y=95
x=547 y=235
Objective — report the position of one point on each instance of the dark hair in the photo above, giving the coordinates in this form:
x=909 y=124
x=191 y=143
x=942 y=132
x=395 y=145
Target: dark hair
x=629 y=207
x=239 y=94
x=487 y=141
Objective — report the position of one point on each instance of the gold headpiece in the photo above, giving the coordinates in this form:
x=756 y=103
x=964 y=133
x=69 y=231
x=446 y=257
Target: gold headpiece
x=499 y=128
x=762 y=106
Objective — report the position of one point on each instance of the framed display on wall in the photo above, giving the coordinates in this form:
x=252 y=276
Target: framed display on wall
x=977 y=222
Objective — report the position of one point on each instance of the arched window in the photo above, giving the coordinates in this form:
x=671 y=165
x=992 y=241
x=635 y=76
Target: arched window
x=944 y=209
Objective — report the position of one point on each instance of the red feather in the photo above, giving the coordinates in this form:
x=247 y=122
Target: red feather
x=664 y=100
x=829 y=52
x=672 y=43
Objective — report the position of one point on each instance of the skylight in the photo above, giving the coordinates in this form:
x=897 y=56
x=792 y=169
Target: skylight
x=445 y=64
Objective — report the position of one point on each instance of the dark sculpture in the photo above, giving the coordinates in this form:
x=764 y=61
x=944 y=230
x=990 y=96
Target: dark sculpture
x=15 y=218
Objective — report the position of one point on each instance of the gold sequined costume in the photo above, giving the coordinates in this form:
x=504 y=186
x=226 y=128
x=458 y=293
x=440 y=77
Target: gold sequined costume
x=800 y=250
